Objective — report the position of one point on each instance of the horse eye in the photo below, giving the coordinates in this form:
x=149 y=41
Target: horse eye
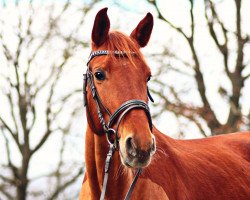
x=149 y=78
x=100 y=75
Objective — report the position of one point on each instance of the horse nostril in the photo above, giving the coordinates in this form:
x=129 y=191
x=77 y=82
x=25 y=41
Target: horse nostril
x=130 y=146
x=153 y=147
x=128 y=143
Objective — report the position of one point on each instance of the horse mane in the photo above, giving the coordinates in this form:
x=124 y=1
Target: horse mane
x=118 y=41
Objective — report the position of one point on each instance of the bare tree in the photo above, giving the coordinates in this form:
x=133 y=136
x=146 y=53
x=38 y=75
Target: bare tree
x=230 y=45
x=39 y=43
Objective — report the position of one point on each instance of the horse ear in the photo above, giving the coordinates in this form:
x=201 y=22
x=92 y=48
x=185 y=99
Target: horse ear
x=101 y=27
x=143 y=30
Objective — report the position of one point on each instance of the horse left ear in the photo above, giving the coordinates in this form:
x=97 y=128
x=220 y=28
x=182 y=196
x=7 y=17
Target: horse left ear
x=143 y=30
x=101 y=27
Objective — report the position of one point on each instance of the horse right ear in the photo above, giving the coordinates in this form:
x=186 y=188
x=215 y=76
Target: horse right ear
x=143 y=30
x=101 y=27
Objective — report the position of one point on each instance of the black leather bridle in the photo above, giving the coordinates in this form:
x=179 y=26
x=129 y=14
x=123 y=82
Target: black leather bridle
x=114 y=119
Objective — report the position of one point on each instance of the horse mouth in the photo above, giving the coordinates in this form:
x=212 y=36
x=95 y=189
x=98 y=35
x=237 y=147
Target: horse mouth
x=134 y=161
x=127 y=164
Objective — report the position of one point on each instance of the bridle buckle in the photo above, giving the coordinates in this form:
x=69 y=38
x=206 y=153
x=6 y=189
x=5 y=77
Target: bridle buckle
x=111 y=136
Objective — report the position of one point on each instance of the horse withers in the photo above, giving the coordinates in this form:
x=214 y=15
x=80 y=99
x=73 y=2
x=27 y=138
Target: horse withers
x=119 y=124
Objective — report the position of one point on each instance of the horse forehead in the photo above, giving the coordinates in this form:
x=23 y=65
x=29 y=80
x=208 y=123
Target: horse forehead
x=134 y=66
x=119 y=64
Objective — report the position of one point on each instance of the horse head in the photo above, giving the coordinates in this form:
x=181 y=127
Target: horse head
x=120 y=75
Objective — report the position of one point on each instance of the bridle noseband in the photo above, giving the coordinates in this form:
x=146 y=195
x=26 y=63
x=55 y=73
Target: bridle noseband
x=114 y=119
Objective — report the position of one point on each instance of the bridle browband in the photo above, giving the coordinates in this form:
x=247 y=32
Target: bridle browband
x=114 y=119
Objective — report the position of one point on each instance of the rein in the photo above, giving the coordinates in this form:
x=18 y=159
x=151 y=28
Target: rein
x=114 y=119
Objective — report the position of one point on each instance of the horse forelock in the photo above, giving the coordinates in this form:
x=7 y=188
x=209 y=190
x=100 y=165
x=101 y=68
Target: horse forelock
x=118 y=41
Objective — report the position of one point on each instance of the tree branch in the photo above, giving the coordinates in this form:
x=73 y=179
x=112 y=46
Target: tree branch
x=246 y=77
x=235 y=114
x=12 y=167
x=222 y=47
x=48 y=109
x=192 y=18
x=5 y=193
x=22 y=96
x=181 y=109
x=160 y=16
x=213 y=122
x=65 y=185
x=12 y=133
x=8 y=180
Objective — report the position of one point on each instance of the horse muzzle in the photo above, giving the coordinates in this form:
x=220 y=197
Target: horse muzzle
x=134 y=156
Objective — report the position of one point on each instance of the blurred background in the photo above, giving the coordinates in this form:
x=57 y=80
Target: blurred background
x=199 y=55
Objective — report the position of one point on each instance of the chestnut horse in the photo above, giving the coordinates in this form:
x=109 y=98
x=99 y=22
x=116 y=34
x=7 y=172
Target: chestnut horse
x=214 y=168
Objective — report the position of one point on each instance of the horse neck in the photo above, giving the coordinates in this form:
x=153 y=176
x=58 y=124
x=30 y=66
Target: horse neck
x=96 y=149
